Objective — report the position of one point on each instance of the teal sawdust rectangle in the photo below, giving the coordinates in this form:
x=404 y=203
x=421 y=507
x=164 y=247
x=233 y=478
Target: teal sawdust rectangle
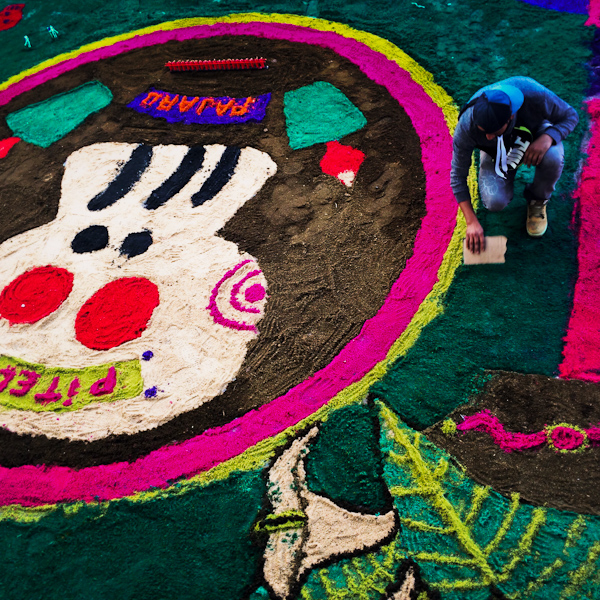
x=48 y=121
x=319 y=113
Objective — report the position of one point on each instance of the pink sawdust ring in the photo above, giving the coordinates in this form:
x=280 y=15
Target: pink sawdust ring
x=235 y=291
x=216 y=314
x=566 y=438
x=37 y=485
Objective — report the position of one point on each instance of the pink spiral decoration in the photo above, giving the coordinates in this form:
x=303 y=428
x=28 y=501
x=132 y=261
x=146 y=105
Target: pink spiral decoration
x=252 y=295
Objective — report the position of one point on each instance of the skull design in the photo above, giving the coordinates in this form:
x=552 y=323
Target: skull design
x=127 y=309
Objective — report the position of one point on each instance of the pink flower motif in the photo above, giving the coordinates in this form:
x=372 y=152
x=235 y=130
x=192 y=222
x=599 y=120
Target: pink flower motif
x=231 y=293
x=593 y=435
x=566 y=438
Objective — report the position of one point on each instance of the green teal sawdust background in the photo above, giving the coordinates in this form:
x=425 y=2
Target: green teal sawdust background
x=347 y=468
x=508 y=316
x=193 y=546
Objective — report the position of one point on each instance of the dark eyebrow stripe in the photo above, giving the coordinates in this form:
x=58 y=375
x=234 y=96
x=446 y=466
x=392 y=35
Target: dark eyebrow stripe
x=219 y=177
x=128 y=176
x=191 y=163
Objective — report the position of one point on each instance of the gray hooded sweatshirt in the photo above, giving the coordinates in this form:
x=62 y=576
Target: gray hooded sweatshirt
x=542 y=112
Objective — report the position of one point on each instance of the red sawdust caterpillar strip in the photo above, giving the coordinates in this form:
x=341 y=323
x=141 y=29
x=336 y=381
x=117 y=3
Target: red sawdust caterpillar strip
x=228 y=64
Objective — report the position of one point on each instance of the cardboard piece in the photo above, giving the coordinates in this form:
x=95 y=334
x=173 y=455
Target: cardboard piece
x=495 y=249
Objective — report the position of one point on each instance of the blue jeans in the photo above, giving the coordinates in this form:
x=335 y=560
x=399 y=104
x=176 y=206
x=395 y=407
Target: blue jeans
x=496 y=192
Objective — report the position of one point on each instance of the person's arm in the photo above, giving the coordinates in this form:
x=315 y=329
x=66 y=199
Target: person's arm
x=537 y=149
x=462 y=151
x=563 y=116
x=554 y=109
x=475 y=238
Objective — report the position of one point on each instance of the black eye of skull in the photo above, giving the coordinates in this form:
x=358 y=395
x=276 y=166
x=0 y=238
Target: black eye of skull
x=136 y=243
x=90 y=239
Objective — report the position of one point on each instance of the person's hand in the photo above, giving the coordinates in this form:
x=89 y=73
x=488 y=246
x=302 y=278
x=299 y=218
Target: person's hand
x=475 y=237
x=537 y=149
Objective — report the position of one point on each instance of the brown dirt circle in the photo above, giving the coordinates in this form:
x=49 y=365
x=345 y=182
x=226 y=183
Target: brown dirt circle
x=330 y=253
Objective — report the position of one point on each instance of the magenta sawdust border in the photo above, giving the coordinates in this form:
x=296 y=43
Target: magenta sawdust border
x=36 y=485
x=581 y=353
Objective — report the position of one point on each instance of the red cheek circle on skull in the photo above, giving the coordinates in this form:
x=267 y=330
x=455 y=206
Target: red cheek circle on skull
x=35 y=294
x=117 y=313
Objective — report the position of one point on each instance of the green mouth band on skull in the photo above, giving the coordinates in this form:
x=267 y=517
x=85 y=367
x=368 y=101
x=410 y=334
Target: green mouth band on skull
x=30 y=386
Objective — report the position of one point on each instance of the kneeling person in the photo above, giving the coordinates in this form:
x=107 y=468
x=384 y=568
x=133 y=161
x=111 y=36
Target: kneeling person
x=512 y=122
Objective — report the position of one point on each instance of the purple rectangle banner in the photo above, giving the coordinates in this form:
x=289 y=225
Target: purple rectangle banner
x=177 y=108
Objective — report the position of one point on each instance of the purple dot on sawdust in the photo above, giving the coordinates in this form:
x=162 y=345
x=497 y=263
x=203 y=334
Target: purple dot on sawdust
x=147 y=355
x=151 y=392
x=255 y=293
x=565 y=438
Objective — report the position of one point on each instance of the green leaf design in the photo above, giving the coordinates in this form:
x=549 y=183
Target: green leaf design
x=360 y=578
x=466 y=538
x=469 y=540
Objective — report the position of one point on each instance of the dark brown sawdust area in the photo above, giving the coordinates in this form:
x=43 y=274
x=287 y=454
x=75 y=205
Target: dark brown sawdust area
x=525 y=404
x=329 y=253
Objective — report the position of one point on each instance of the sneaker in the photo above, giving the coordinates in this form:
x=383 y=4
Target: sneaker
x=537 y=222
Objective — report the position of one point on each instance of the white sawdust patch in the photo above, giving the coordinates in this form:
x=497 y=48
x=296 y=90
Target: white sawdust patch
x=329 y=530
x=347 y=177
x=194 y=357
x=407 y=589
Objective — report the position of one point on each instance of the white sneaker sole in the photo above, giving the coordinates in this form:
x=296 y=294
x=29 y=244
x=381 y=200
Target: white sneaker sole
x=540 y=234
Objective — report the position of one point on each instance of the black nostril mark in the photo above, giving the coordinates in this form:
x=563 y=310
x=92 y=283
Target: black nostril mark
x=90 y=239
x=136 y=243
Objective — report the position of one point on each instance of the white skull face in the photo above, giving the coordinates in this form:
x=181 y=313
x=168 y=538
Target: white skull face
x=127 y=309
